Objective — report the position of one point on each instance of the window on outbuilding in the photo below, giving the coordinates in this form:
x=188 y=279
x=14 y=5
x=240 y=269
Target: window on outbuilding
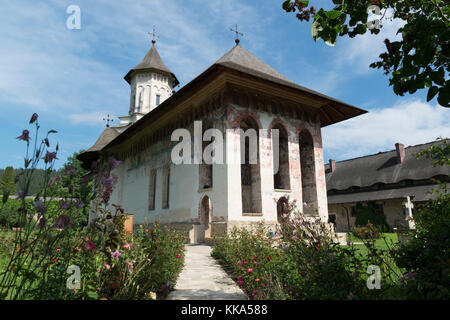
x=158 y=99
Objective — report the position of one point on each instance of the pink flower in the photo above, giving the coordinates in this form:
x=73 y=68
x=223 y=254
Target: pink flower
x=240 y=278
x=256 y=280
x=25 y=136
x=239 y=262
x=250 y=270
x=34 y=117
x=88 y=245
x=240 y=283
x=178 y=256
x=116 y=255
x=107 y=266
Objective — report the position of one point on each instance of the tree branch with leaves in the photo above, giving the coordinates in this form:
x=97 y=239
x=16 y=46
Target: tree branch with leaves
x=420 y=60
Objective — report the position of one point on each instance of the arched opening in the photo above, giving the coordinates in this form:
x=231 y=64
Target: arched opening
x=281 y=178
x=308 y=171
x=282 y=209
x=205 y=170
x=205 y=219
x=250 y=167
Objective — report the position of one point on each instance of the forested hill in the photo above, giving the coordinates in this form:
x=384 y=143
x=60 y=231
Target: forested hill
x=36 y=181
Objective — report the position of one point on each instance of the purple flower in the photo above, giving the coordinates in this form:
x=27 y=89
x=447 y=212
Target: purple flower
x=54 y=180
x=34 y=117
x=350 y=296
x=41 y=221
x=20 y=195
x=63 y=222
x=40 y=206
x=79 y=204
x=85 y=180
x=64 y=205
x=165 y=286
x=49 y=156
x=25 y=136
x=116 y=255
x=411 y=275
x=108 y=182
x=69 y=170
x=113 y=162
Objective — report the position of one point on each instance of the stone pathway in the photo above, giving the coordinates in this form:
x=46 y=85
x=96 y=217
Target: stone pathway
x=202 y=278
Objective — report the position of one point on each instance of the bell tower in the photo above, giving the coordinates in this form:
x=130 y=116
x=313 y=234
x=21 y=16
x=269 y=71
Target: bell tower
x=151 y=82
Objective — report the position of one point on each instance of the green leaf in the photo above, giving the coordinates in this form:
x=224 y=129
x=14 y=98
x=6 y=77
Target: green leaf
x=315 y=29
x=333 y=14
x=286 y=5
x=432 y=92
x=361 y=28
x=438 y=76
x=5 y=197
x=444 y=97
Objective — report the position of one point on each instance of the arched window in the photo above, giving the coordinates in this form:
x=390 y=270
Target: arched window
x=205 y=173
x=250 y=167
x=308 y=171
x=281 y=177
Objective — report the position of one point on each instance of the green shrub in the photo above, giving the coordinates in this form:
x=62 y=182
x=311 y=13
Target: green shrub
x=368 y=214
x=426 y=257
x=367 y=232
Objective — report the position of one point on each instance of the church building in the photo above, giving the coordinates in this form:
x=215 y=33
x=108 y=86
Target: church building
x=238 y=91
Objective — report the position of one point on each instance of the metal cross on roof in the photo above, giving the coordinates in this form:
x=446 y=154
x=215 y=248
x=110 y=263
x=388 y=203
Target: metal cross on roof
x=237 y=34
x=154 y=35
x=108 y=120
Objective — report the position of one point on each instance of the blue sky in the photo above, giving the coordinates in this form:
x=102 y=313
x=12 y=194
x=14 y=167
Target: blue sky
x=74 y=78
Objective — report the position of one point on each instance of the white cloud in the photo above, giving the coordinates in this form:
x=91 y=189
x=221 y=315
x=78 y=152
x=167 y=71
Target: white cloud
x=409 y=122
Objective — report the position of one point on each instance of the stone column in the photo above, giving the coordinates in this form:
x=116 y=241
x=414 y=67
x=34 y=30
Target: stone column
x=266 y=190
x=321 y=187
x=295 y=170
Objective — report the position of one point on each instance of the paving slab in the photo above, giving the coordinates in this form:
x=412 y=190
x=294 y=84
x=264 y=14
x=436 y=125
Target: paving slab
x=202 y=278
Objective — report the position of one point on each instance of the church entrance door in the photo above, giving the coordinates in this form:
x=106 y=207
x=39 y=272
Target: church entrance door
x=205 y=219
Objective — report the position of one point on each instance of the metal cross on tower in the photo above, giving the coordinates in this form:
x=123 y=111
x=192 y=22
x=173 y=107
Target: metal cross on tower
x=237 y=34
x=108 y=120
x=154 y=35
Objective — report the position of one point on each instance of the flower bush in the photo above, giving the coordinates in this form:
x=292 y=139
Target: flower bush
x=302 y=261
x=253 y=259
x=53 y=255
